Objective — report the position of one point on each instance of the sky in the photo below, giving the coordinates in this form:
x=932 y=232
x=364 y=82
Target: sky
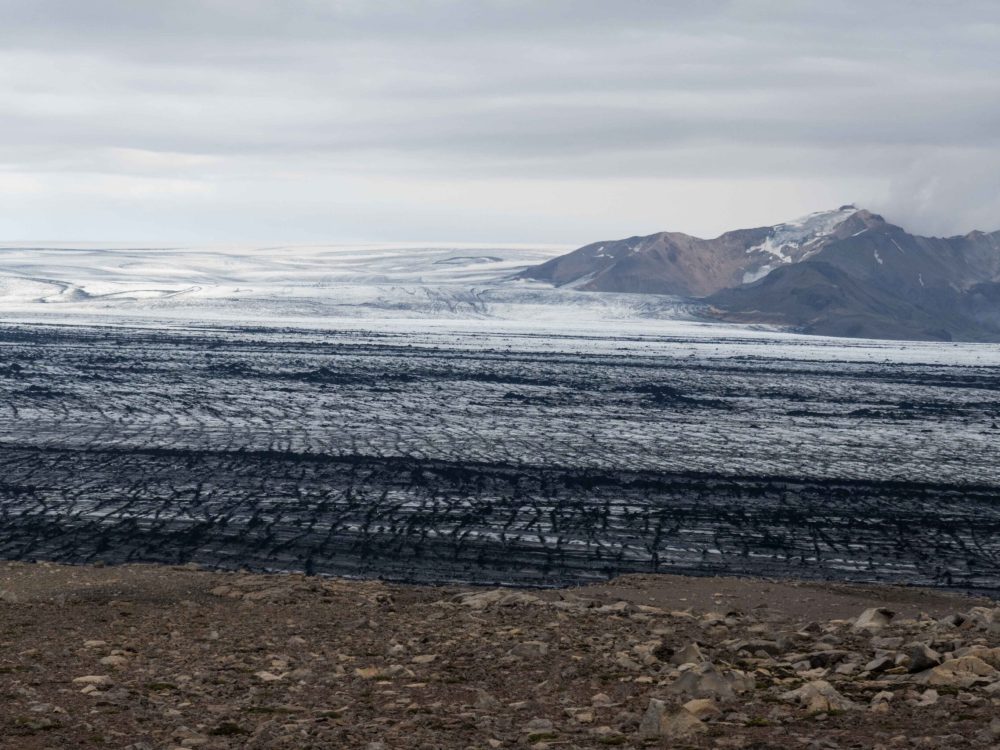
x=555 y=121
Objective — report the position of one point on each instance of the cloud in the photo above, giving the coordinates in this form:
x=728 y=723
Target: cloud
x=301 y=110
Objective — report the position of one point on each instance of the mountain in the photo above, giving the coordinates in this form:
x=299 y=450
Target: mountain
x=846 y=272
x=676 y=263
x=819 y=298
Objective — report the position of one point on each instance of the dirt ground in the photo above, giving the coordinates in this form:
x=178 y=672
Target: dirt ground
x=150 y=658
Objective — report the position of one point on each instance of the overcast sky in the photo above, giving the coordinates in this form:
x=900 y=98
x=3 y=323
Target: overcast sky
x=491 y=120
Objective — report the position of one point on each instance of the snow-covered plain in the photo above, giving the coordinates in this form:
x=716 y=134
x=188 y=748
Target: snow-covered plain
x=433 y=294
x=312 y=285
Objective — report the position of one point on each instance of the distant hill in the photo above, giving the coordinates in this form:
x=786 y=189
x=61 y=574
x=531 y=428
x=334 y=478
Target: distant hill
x=846 y=272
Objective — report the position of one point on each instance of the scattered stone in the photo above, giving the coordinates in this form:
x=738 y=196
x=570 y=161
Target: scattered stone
x=819 y=696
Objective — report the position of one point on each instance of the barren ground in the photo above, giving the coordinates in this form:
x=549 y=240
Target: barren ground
x=144 y=656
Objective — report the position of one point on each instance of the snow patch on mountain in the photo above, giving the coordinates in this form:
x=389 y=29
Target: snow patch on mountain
x=795 y=240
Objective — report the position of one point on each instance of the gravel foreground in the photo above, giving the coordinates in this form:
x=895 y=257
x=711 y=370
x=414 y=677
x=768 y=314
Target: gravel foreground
x=151 y=658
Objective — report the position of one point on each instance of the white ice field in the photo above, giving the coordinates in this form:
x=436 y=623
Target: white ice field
x=467 y=294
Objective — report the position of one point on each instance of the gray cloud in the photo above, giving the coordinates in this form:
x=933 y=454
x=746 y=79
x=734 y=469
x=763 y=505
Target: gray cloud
x=491 y=120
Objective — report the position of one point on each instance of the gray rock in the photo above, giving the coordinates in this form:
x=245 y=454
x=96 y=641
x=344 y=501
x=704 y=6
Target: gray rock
x=819 y=696
x=690 y=654
x=875 y=618
x=708 y=681
x=920 y=656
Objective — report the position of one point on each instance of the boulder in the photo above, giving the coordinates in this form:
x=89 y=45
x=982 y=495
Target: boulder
x=963 y=672
x=875 y=618
x=989 y=655
x=920 y=657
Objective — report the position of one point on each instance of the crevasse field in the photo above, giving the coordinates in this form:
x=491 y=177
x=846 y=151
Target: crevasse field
x=417 y=413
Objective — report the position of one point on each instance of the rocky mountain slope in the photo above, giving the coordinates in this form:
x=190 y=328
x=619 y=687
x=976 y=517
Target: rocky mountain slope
x=847 y=272
x=146 y=657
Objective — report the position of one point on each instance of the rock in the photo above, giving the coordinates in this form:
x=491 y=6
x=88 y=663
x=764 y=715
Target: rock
x=267 y=676
x=989 y=655
x=985 y=619
x=819 y=696
x=93 y=679
x=656 y=722
x=649 y=725
x=601 y=700
x=424 y=658
x=964 y=672
x=920 y=657
x=519 y=598
x=95 y=644
x=481 y=600
x=9 y=596
x=530 y=649
x=707 y=681
x=880 y=664
x=497 y=597
x=703 y=708
x=875 y=618
x=770 y=648
x=995 y=728
x=114 y=660
x=538 y=729
x=928 y=698
x=690 y=654
x=625 y=661
x=887 y=642
x=486 y=702
x=827 y=659
x=951 y=621
x=682 y=724
x=881 y=700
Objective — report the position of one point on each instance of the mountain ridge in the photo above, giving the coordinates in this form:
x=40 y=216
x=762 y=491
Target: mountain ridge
x=888 y=283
